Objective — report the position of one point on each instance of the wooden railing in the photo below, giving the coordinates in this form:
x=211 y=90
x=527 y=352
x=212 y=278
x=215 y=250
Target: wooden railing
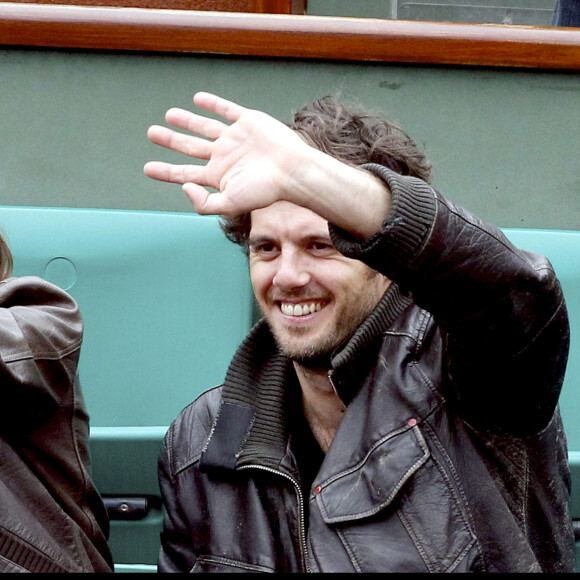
x=287 y=36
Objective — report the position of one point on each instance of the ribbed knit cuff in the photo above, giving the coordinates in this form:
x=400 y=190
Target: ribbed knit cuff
x=405 y=229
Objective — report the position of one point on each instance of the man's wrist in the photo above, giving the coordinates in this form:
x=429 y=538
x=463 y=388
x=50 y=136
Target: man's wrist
x=350 y=197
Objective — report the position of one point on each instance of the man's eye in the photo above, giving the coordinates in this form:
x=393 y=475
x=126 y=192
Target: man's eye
x=321 y=246
x=264 y=249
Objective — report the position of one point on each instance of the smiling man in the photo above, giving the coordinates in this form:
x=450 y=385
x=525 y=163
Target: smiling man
x=396 y=408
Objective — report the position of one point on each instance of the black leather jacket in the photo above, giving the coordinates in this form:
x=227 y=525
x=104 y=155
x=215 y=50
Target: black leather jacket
x=51 y=517
x=451 y=456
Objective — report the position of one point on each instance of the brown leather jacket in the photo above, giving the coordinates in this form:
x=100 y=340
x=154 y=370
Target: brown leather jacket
x=451 y=456
x=51 y=517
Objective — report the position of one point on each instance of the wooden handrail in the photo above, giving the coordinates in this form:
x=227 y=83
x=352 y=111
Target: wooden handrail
x=288 y=36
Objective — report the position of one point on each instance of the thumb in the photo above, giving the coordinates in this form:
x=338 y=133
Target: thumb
x=206 y=203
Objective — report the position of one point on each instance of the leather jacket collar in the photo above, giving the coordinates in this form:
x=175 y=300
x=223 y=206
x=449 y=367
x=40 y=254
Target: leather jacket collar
x=251 y=425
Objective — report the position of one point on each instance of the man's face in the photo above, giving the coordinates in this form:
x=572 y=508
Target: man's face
x=312 y=296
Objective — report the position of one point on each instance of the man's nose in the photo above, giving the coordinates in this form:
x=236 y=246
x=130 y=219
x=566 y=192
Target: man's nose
x=292 y=271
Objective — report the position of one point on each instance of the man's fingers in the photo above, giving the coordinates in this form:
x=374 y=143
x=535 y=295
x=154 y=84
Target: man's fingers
x=192 y=146
x=175 y=173
x=210 y=128
x=194 y=178
x=214 y=104
x=157 y=170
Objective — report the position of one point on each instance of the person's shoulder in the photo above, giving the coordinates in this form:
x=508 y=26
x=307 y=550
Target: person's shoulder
x=188 y=433
x=36 y=288
x=202 y=409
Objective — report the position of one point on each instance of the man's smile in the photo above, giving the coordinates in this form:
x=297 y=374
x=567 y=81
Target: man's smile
x=300 y=309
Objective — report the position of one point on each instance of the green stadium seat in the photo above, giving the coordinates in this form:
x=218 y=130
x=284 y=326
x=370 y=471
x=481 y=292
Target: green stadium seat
x=166 y=299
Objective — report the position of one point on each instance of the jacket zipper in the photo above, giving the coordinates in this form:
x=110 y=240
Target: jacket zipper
x=301 y=526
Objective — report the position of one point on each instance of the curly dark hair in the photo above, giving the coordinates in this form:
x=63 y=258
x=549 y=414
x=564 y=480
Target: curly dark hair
x=352 y=135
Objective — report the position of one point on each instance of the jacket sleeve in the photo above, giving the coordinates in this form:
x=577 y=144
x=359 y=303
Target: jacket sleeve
x=501 y=310
x=41 y=333
x=176 y=553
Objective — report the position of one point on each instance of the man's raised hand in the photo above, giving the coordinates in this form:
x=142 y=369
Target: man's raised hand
x=251 y=157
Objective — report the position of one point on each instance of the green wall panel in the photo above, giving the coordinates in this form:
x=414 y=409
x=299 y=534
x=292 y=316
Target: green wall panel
x=503 y=142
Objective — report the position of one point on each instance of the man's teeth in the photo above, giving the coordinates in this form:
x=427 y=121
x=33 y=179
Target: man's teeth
x=300 y=309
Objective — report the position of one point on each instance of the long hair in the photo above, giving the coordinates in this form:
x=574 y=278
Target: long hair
x=351 y=135
x=6 y=261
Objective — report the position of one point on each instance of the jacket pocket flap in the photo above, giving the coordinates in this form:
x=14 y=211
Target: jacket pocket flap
x=373 y=483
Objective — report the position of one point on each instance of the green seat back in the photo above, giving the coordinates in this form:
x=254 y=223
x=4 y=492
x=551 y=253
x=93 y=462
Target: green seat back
x=563 y=250
x=166 y=300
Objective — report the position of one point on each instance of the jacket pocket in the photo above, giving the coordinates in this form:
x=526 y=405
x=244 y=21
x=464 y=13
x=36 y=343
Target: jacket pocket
x=418 y=510
x=371 y=485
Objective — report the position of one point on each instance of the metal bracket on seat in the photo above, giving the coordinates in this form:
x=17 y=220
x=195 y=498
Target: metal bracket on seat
x=126 y=508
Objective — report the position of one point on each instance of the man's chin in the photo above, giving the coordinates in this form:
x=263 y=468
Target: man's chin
x=313 y=356
x=314 y=361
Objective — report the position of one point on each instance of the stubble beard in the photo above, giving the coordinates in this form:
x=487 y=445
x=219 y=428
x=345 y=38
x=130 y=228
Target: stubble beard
x=316 y=353
x=294 y=343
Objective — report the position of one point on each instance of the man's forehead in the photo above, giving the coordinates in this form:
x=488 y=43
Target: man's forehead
x=285 y=219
